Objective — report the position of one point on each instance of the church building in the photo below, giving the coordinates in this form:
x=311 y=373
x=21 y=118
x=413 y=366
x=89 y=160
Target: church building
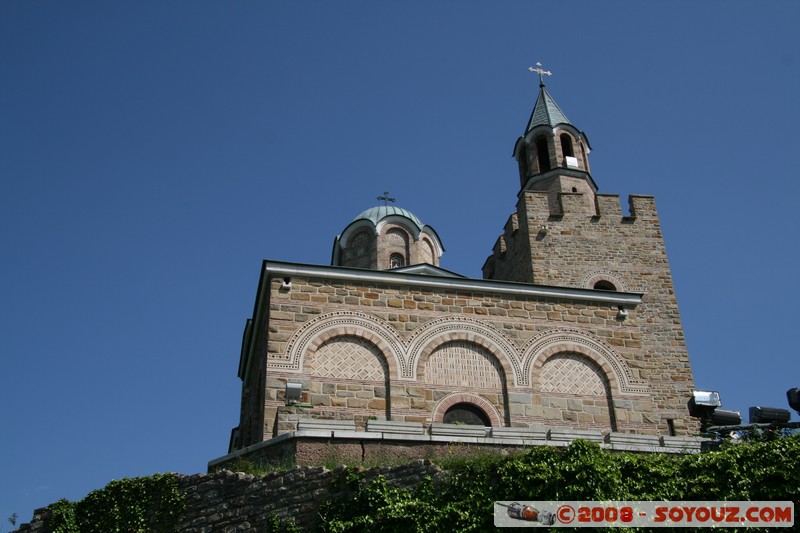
x=573 y=327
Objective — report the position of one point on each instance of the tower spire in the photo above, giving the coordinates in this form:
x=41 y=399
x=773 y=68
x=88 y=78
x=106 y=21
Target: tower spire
x=552 y=153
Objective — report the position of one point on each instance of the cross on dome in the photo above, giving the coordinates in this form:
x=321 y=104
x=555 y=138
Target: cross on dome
x=386 y=199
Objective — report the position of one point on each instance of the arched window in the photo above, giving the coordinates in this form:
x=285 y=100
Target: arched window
x=566 y=145
x=359 y=239
x=466 y=413
x=604 y=285
x=396 y=261
x=523 y=163
x=542 y=154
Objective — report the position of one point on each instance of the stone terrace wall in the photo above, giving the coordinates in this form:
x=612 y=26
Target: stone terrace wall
x=227 y=501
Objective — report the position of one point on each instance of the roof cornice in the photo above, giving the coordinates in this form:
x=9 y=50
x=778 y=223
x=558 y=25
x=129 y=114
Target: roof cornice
x=277 y=268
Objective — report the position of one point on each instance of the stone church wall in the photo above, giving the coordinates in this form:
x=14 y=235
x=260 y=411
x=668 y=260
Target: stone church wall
x=568 y=246
x=421 y=351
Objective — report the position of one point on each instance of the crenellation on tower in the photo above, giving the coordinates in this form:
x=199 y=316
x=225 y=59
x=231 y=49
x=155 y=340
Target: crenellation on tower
x=573 y=204
x=608 y=206
x=512 y=225
x=642 y=206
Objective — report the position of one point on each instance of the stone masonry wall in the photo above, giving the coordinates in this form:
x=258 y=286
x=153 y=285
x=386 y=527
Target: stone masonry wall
x=580 y=248
x=403 y=330
x=227 y=501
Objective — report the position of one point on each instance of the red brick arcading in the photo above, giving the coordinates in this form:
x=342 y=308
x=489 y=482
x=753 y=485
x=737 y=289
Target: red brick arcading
x=354 y=331
x=464 y=397
x=436 y=342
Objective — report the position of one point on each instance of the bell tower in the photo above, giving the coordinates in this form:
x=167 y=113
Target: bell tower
x=553 y=155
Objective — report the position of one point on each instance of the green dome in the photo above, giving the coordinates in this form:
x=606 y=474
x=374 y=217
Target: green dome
x=376 y=214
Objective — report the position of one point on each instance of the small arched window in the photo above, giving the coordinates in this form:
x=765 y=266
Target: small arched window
x=566 y=145
x=542 y=154
x=396 y=261
x=604 y=285
x=466 y=413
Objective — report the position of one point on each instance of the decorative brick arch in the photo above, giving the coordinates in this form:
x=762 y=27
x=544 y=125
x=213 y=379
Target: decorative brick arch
x=316 y=332
x=439 y=331
x=427 y=251
x=593 y=276
x=545 y=345
x=357 y=227
x=464 y=397
x=398 y=222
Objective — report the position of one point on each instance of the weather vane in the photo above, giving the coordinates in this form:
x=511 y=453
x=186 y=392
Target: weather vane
x=386 y=199
x=541 y=72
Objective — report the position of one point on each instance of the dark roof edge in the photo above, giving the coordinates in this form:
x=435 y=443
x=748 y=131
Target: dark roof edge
x=277 y=268
x=261 y=293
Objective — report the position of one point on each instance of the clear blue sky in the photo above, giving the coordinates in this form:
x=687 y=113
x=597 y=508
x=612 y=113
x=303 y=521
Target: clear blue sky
x=153 y=153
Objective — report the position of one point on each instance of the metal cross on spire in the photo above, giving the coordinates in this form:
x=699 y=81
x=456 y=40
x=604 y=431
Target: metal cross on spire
x=541 y=72
x=386 y=199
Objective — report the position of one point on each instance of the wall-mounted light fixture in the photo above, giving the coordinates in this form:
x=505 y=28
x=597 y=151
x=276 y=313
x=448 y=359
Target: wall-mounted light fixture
x=293 y=392
x=702 y=405
x=287 y=283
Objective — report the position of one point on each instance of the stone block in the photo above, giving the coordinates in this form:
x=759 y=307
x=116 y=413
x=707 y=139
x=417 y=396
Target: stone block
x=682 y=444
x=415 y=391
x=391 y=426
x=568 y=435
x=338 y=402
x=318 y=424
x=552 y=413
x=458 y=430
x=516 y=409
x=418 y=403
x=320 y=399
x=519 y=433
x=631 y=439
x=560 y=403
x=534 y=410
x=517 y=397
x=377 y=404
x=574 y=404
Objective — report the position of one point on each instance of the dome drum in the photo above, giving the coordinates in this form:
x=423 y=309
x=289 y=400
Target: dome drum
x=386 y=237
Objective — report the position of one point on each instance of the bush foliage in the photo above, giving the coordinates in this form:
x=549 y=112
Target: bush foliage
x=140 y=505
x=463 y=498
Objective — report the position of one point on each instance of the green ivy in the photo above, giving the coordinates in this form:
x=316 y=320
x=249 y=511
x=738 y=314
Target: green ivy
x=131 y=505
x=462 y=498
x=276 y=525
x=62 y=516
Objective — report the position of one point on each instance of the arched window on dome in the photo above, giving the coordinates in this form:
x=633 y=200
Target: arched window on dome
x=396 y=261
x=358 y=250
